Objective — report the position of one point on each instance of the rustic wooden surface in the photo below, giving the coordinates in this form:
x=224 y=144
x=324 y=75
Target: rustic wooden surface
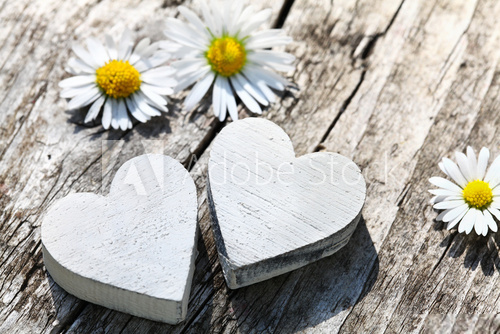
x=394 y=85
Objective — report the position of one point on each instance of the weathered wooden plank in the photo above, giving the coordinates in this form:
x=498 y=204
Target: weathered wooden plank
x=60 y=156
x=395 y=85
x=412 y=282
x=45 y=156
x=226 y=311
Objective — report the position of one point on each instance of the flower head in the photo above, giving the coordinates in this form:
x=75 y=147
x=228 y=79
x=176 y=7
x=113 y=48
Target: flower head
x=119 y=79
x=224 y=49
x=473 y=200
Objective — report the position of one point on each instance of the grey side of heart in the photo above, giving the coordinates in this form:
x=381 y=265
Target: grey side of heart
x=265 y=230
x=134 y=250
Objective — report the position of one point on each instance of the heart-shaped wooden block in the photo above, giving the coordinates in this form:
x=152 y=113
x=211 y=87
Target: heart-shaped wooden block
x=273 y=212
x=134 y=250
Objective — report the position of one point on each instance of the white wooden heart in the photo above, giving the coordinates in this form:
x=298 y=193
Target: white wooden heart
x=273 y=212
x=134 y=250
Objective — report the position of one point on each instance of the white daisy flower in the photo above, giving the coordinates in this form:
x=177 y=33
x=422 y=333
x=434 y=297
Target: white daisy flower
x=225 y=49
x=474 y=199
x=119 y=78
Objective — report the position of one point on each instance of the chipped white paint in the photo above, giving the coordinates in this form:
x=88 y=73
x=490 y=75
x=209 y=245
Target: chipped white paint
x=131 y=251
x=273 y=212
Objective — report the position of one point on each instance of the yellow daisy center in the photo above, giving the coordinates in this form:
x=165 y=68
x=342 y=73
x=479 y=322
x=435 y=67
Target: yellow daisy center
x=478 y=194
x=118 y=78
x=226 y=55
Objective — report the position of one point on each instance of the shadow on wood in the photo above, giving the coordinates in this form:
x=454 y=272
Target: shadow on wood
x=478 y=250
x=310 y=295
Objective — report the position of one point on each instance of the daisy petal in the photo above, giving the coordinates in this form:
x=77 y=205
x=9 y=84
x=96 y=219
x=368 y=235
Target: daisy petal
x=437 y=199
x=490 y=221
x=135 y=111
x=209 y=19
x=125 y=48
x=74 y=91
x=453 y=172
x=463 y=163
x=157 y=89
x=267 y=39
x=480 y=224
x=485 y=223
x=122 y=115
x=98 y=51
x=452 y=198
x=141 y=103
x=444 y=183
x=80 y=80
x=84 y=55
x=188 y=66
x=157 y=73
x=441 y=166
x=255 y=21
x=442 y=214
x=230 y=101
x=471 y=156
x=272 y=79
x=247 y=100
x=495 y=204
x=482 y=162
x=245 y=15
x=232 y=15
x=94 y=109
x=192 y=78
x=256 y=94
x=142 y=46
x=444 y=192
x=80 y=67
x=468 y=221
x=449 y=204
x=268 y=56
x=268 y=93
x=84 y=99
x=456 y=212
x=275 y=66
x=153 y=96
x=107 y=114
x=114 y=114
x=193 y=19
x=493 y=173
x=111 y=47
x=141 y=96
x=199 y=91
x=494 y=212
x=455 y=221
x=183 y=37
x=217 y=96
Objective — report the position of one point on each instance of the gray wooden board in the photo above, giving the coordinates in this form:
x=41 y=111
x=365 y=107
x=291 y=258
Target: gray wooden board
x=393 y=85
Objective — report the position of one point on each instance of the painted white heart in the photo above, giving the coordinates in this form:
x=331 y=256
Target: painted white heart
x=134 y=250
x=273 y=212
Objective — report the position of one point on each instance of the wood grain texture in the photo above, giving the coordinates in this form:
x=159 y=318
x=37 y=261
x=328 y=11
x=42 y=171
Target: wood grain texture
x=394 y=85
x=133 y=250
x=273 y=212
